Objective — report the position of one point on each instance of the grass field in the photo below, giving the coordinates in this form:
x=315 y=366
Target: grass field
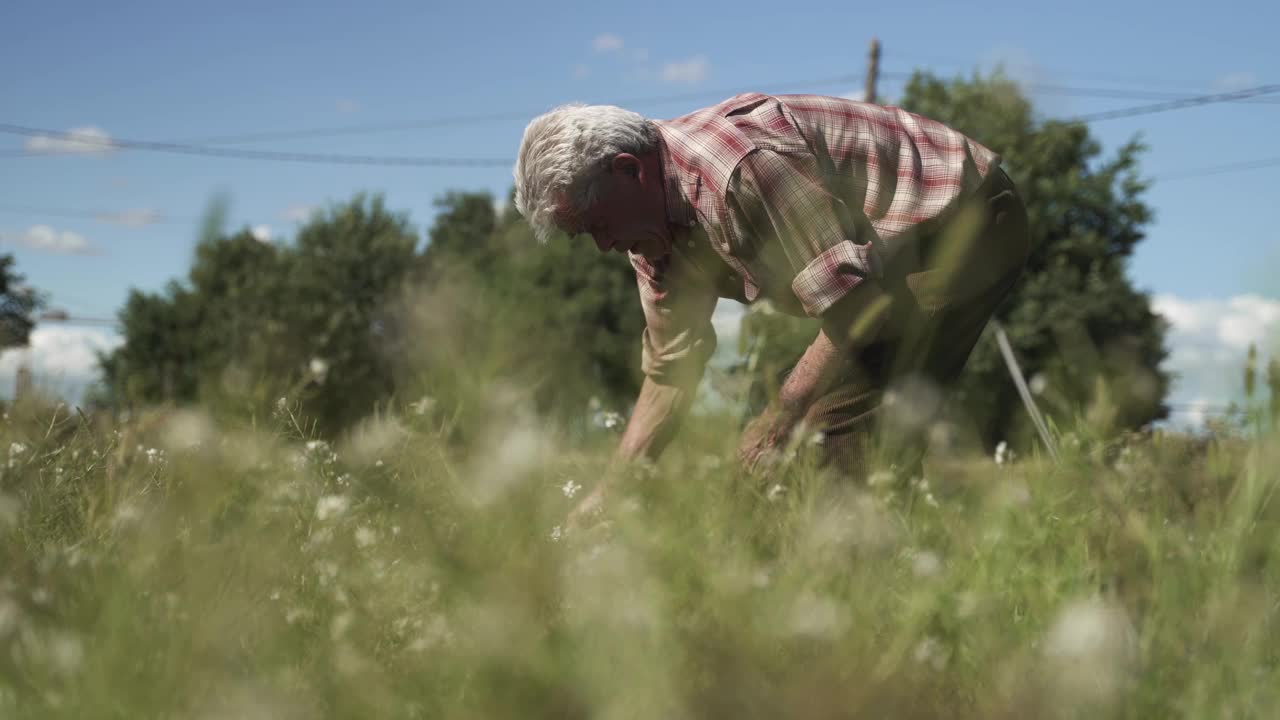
x=171 y=566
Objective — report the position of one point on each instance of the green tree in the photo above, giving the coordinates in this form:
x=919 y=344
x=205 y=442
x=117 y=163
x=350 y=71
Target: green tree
x=1075 y=318
x=18 y=305
x=255 y=321
x=560 y=321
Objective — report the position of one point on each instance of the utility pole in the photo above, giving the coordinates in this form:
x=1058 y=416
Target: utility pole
x=873 y=72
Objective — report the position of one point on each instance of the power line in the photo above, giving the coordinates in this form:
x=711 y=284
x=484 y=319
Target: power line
x=476 y=118
x=1178 y=104
x=303 y=157
x=1218 y=169
x=62 y=317
x=1125 y=94
x=114 y=217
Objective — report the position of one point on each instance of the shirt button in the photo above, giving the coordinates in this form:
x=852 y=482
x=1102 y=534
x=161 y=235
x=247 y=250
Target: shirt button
x=690 y=243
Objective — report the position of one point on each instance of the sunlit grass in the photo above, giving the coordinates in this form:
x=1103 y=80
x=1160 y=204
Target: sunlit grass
x=173 y=565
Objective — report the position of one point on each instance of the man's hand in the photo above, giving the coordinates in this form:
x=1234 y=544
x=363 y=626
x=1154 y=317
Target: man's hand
x=764 y=440
x=588 y=509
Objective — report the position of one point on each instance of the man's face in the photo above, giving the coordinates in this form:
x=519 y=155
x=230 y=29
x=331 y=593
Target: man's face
x=630 y=213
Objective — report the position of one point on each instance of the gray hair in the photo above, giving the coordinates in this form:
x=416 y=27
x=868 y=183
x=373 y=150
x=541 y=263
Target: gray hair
x=566 y=152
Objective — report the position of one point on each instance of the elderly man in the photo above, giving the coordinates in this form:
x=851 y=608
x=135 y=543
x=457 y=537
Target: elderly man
x=900 y=234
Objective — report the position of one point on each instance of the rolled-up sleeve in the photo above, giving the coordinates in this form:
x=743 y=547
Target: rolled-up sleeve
x=678 y=337
x=780 y=205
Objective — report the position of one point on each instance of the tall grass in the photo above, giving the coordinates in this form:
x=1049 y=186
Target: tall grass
x=176 y=566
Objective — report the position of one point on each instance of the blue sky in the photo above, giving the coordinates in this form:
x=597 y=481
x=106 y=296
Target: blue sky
x=184 y=71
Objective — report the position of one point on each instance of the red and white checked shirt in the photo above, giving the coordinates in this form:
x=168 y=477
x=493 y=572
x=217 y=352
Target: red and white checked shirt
x=794 y=198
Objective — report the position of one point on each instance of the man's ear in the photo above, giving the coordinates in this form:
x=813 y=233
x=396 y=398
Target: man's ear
x=627 y=164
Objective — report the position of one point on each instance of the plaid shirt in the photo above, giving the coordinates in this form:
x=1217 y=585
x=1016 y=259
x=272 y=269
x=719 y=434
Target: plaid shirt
x=794 y=198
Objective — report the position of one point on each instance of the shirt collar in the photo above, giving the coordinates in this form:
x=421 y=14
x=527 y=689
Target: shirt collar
x=680 y=210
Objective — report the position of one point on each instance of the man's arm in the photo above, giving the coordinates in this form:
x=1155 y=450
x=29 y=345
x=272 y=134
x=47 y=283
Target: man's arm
x=658 y=412
x=852 y=322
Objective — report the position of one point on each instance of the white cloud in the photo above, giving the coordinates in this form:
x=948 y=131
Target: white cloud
x=62 y=359
x=297 y=212
x=347 y=107
x=1235 y=81
x=43 y=238
x=581 y=71
x=607 y=42
x=1230 y=324
x=130 y=218
x=1208 y=341
x=88 y=140
x=693 y=70
x=261 y=233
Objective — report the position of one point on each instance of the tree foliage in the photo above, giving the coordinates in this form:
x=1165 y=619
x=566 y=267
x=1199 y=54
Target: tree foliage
x=255 y=321
x=18 y=305
x=352 y=315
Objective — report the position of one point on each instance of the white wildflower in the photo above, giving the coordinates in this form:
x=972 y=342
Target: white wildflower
x=436 y=633
x=340 y=623
x=17 y=448
x=331 y=506
x=326 y=571
x=154 y=456
x=1038 y=384
x=925 y=564
x=423 y=405
x=296 y=614
x=608 y=420
x=933 y=653
x=344 y=479
x=570 y=488
x=556 y=534
x=318 y=367
x=1090 y=651
x=881 y=478
x=365 y=536
x=282 y=406
x=66 y=652
x=1003 y=454
x=815 y=616
x=187 y=430
x=378 y=464
x=126 y=513
x=775 y=492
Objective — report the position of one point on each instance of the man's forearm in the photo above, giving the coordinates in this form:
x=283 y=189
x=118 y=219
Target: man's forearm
x=658 y=411
x=816 y=370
